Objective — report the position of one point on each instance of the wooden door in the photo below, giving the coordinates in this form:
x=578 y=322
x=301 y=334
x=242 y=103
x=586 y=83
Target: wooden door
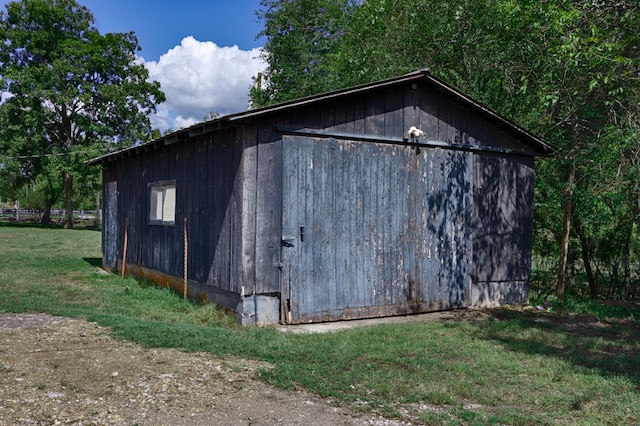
x=373 y=229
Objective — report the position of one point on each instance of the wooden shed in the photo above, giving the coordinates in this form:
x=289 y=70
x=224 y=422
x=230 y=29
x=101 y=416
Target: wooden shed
x=328 y=208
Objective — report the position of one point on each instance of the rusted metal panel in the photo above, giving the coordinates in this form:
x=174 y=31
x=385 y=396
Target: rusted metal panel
x=373 y=228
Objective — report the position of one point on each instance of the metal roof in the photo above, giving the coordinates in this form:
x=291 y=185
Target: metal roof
x=536 y=144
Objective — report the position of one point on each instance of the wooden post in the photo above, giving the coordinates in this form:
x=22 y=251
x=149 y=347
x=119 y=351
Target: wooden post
x=283 y=302
x=186 y=257
x=124 y=250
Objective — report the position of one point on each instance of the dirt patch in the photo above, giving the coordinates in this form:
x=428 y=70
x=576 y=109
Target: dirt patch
x=57 y=371
x=470 y=315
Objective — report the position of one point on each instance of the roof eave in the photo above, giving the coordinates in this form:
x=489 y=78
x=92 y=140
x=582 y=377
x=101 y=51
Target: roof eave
x=532 y=141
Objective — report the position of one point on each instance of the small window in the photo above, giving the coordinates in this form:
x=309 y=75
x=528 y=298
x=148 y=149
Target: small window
x=162 y=206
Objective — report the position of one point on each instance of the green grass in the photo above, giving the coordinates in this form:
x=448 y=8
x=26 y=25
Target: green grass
x=514 y=367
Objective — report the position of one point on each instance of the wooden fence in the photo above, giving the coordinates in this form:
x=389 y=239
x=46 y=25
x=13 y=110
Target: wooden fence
x=85 y=217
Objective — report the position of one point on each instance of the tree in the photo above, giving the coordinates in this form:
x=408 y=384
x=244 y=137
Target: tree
x=480 y=46
x=300 y=34
x=567 y=70
x=588 y=81
x=74 y=92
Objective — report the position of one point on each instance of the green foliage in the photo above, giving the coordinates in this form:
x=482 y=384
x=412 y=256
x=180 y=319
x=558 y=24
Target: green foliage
x=74 y=94
x=604 y=311
x=567 y=70
x=300 y=36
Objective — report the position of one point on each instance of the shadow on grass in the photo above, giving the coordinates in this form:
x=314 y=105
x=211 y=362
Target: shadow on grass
x=610 y=347
x=96 y=262
x=26 y=224
x=34 y=224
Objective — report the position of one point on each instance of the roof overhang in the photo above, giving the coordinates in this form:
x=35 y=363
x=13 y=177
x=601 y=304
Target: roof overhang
x=536 y=145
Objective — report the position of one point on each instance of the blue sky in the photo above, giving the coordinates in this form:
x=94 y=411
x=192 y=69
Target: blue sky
x=203 y=53
x=162 y=24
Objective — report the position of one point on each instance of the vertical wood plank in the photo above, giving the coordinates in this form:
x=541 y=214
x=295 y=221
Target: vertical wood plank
x=411 y=113
x=327 y=115
x=236 y=205
x=249 y=169
x=268 y=209
x=341 y=119
x=359 y=114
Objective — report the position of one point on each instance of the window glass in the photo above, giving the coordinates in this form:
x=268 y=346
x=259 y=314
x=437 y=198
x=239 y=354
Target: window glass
x=169 y=206
x=162 y=203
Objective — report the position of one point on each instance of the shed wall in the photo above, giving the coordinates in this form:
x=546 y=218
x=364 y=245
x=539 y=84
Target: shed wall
x=501 y=210
x=502 y=229
x=207 y=174
x=373 y=229
x=389 y=227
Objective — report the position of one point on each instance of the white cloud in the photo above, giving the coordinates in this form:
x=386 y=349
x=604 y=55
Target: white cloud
x=4 y=96
x=199 y=77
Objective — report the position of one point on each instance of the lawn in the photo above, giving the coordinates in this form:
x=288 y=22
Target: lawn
x=517 y=367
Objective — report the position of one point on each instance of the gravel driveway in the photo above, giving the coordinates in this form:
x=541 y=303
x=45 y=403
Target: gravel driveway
x=56 y=371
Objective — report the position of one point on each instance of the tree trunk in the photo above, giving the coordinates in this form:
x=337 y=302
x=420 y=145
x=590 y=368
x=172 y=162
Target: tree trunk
x=632 y=285
x=567 y=211
x=636 y=286
x=586 y=259
x=627 y=264
x=46 y=215
x=68 y=200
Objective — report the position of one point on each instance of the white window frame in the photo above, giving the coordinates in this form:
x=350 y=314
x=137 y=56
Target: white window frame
x=162 y=203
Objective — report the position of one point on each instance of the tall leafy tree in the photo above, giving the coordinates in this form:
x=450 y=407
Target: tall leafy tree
x=567 y=69
x=587 y=83
x=26 y=158
x=300 y=36
x=74 y=93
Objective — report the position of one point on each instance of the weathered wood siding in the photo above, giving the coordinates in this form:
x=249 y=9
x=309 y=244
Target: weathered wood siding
x=373 y=229
x=391 y=229
x=502 y=228
x=325 y=206
x=206 y=173
x=268 y=209
x=110 y=229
